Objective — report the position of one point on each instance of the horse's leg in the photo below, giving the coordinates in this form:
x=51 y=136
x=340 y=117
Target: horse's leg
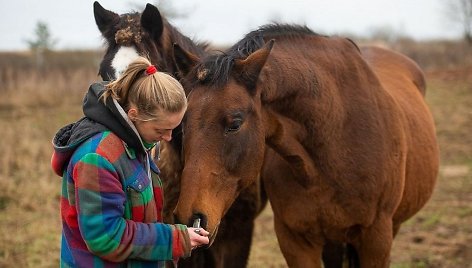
x=298 y=251
x=374 y=244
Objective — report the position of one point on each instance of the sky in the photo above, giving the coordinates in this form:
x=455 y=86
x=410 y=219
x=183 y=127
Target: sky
x=224 y=22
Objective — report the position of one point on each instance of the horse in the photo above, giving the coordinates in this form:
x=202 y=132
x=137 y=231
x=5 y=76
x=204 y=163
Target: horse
x=150 y=34
x=340 y=134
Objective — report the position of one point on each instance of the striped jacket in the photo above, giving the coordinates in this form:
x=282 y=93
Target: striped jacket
x=110 y=207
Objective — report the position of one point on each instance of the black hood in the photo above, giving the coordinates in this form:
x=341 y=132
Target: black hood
x=108 y=115
x=99 y=117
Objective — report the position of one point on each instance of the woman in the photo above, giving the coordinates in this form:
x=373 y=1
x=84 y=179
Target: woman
x=111 y=194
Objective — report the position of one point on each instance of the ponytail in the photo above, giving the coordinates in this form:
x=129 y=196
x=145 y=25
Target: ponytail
x=146 y=88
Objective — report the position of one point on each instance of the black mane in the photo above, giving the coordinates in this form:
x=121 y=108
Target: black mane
x=217 y=68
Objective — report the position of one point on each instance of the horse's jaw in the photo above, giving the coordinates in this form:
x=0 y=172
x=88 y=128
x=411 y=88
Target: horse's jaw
x=212 y=235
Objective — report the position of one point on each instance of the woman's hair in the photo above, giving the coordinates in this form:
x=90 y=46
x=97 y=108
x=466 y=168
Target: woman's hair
x=147 y=92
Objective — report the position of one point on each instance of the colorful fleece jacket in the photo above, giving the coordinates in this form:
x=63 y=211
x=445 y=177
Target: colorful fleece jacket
x=110 y=206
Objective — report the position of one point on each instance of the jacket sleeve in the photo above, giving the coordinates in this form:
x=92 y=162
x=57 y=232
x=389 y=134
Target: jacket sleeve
x=100 y=202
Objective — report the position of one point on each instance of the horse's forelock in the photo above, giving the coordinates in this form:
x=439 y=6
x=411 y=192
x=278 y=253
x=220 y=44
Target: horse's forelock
x=214 y=71
x=128 y=30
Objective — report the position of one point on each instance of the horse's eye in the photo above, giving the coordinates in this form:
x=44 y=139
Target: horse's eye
x=234 y=125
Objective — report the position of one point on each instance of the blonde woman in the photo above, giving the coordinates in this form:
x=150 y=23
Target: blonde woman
x=111 y=194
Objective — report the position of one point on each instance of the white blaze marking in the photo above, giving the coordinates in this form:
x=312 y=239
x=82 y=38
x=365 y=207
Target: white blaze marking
x=123 y=58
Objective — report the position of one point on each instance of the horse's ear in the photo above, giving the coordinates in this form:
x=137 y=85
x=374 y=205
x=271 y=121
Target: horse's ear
x=151 y=21
x=184 y=60
x=248 y=70
x=103 y=18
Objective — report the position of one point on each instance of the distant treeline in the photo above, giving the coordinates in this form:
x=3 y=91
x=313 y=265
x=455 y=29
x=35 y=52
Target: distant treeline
x=429 y=55
x=54 y=59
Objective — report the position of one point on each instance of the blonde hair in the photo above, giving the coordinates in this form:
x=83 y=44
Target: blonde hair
x=149 y=93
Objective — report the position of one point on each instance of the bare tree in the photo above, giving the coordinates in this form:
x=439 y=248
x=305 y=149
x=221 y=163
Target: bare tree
x=460 y=12
x=42 y=42
x=43 y=38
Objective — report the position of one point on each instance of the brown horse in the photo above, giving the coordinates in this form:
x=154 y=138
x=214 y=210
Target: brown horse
x=149 y=34
x=342 y=137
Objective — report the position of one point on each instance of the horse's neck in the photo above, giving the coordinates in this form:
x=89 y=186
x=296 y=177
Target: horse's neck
x=307 y=111
x=314 y=117
x=304 y=134
x=165 y=47
x=287 y=139
x=173 y=36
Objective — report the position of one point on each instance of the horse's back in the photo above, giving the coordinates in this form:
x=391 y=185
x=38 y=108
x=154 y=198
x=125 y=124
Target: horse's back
x=394 y=64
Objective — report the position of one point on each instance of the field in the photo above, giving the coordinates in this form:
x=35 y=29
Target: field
x=36 y=100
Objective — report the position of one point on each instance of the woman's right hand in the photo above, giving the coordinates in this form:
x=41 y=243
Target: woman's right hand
x=198 y=238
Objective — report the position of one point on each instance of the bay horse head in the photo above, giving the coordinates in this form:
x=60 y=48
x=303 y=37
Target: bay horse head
x=134 y=34
x=223 y=130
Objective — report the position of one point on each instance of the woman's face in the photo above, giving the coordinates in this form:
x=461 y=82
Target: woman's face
x=157 y=129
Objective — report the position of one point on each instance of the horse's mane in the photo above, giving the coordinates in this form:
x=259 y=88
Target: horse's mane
x=218 y=67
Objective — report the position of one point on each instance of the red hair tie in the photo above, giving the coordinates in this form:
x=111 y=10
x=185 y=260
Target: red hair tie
x=151 y=70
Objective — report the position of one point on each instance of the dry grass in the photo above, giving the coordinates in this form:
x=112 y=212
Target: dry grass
x=34 y=104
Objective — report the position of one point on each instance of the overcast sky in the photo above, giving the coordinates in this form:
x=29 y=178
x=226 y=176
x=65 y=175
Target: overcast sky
x=222 y=22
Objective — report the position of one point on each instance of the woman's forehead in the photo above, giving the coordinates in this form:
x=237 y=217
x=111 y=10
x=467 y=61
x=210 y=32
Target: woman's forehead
x=168 y=120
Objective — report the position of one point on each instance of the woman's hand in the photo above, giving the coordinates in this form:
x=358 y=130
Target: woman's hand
x=198 y=238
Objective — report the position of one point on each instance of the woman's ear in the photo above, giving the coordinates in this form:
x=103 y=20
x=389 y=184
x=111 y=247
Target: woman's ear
x=132 y=114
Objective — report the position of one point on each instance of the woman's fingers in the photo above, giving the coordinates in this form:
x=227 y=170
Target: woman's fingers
x=198 y=236
x=200 y=231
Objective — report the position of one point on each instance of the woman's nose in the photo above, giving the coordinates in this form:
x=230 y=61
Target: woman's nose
x=167 y=136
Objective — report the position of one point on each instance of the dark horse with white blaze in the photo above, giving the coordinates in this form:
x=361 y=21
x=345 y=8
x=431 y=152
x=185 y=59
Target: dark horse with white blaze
x=342 y=137
x=149 y=34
